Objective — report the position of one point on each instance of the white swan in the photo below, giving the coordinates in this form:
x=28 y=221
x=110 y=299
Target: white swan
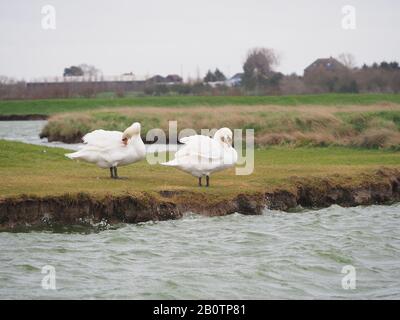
x=202 y=155
x=112 y=149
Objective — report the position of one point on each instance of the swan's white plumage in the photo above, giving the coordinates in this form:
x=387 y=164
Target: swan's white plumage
x=200 y=145
x=106 y=149
x=103 y=138
x=202 y=155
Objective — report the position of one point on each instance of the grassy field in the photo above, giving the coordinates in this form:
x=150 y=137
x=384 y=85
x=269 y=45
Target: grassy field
x=369 y=126
x=53 y=106
x=36 y=170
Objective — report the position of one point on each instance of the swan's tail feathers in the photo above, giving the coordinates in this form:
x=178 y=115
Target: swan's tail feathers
x=73 y=155
x=171 y=163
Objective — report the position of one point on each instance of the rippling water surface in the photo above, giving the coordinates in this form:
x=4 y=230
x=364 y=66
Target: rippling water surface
x=275 y=255
x=29 y=131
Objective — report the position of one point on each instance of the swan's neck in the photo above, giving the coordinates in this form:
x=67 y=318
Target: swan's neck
x=135 y=137
x=224 y=145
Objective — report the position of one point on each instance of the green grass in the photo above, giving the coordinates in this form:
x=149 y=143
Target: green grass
x=37 y=170
x=53 y=106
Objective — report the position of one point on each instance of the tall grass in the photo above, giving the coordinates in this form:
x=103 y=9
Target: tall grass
x=375 y=126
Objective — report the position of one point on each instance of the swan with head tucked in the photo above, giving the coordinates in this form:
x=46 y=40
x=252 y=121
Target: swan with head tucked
x=112 y=149
x=202 y=155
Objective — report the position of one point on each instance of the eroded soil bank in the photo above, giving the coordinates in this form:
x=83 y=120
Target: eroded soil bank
x=381 y=187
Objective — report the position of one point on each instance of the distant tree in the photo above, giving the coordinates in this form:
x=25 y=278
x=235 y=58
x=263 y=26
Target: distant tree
x=258 y=67
x=384 y=65
x=210 y=77
x=394 y=65
x=219 y=76
x=73 y=71
x=379 y=77
x=89 y=70
x=82 y=70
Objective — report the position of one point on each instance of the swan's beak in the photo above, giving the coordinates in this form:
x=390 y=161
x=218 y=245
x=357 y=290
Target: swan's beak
x=125 y=141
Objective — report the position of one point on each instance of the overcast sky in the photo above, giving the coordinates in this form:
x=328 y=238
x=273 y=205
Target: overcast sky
x=173 y=36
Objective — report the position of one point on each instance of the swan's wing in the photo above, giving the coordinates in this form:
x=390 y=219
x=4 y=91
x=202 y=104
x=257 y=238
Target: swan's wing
x=187 y=139
x=103 y=138
x=201 y=146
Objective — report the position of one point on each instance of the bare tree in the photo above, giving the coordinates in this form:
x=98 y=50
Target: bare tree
x=348 y=60
x=259 y=66
x=89 y=70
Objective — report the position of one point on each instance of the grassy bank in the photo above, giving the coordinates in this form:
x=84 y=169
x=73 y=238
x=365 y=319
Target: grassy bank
x=48 y=107
x=36 y=170
x=369 y=126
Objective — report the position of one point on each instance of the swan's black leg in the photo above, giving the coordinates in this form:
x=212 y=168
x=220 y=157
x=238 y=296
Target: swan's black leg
x=112 y=172
x=115 y=173
x=207 y=181
x=199 y=181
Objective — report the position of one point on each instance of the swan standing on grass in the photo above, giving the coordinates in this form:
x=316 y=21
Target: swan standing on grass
x=112 y=149
x=202 y=155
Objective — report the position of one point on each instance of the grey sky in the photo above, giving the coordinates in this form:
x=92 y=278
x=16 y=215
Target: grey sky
x=155 y=36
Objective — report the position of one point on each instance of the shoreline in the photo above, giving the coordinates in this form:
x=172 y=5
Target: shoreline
x=381 y=187
x=23 y=117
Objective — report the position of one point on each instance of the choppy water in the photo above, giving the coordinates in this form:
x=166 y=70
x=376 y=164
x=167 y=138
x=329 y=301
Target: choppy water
x=275 y=255
x=28 y=132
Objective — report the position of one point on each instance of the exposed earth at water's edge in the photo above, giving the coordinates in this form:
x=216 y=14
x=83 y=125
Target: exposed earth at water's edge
x=82 y=208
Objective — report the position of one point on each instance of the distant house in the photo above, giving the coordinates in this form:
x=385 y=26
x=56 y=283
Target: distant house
x=173 y=78
x=156 y=79
x=328 y=64
x=215 y=84
x=231 y=82
x=234 y=81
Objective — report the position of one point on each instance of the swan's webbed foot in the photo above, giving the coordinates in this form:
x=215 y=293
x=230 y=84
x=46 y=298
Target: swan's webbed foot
x=200 y=182
x=114 y=174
